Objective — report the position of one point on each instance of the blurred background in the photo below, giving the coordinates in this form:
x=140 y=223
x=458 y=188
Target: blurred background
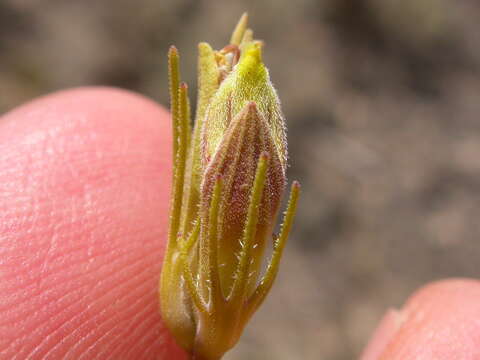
x=382 y=99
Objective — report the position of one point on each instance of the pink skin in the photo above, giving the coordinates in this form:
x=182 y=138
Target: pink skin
x=84 y=196
x=439 y=322
x=84 y=193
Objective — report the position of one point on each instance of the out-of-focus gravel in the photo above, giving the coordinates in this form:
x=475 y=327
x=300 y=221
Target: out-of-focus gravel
x=382 y=101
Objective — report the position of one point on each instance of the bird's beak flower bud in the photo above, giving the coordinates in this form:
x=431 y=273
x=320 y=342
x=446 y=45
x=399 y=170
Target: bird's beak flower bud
x=229 y=178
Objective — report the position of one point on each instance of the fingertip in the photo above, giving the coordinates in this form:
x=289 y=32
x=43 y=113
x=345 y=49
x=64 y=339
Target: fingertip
x=439 y=321
x=76 y=98
x=382 y=335
x=84 y=190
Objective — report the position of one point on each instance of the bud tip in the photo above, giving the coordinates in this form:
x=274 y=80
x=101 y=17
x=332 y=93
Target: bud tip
x=296 y=185
x=264 y=156
x=243 y=21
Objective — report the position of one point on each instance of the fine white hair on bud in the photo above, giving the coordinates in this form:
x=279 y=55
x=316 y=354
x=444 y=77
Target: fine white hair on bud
x=235 y=159
x=249 y=81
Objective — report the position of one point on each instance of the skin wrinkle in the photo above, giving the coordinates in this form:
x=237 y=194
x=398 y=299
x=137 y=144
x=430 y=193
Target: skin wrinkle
x=138 y=300
x=138 y=319
x=149 y=346
x=142 y=332
x=68 y=322
x=97 y=299
x=52 y=245
x=98 y=181
x=55 y=283
x=98 y=269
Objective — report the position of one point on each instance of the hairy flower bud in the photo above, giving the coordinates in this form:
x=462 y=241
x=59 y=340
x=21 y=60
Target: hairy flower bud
x=248 y=82
x=229 y=178
x=235 y=159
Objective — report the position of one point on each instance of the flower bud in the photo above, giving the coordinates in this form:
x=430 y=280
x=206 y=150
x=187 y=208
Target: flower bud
x=235 y=159
x=229 y=178
x=248 y=82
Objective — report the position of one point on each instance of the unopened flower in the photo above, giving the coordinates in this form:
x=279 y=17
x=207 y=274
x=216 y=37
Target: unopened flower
x=229 y=178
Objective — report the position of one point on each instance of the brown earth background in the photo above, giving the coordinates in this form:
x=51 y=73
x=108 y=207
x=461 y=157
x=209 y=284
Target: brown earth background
x=382 y=99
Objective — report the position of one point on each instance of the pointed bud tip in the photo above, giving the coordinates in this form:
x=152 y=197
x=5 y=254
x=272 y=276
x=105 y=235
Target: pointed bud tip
x=173 y=50
x=244 y=19
x=296 y=185
x=239 y=30
x=260 y=43
x=183 y=85
x=250 y=61
x=254 y=51
x=252 y=106
x=264 y=156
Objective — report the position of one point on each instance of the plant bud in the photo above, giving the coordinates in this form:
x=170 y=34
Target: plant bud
x=248 y=82
x=235 y=159
x=229 y=178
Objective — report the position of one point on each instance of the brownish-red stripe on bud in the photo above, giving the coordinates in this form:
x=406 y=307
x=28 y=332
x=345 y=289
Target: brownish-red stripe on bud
x=236 y=159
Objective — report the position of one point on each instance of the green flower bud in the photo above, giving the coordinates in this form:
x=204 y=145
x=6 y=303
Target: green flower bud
x=229 y=178
x=235 y=159
x=248 y=82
